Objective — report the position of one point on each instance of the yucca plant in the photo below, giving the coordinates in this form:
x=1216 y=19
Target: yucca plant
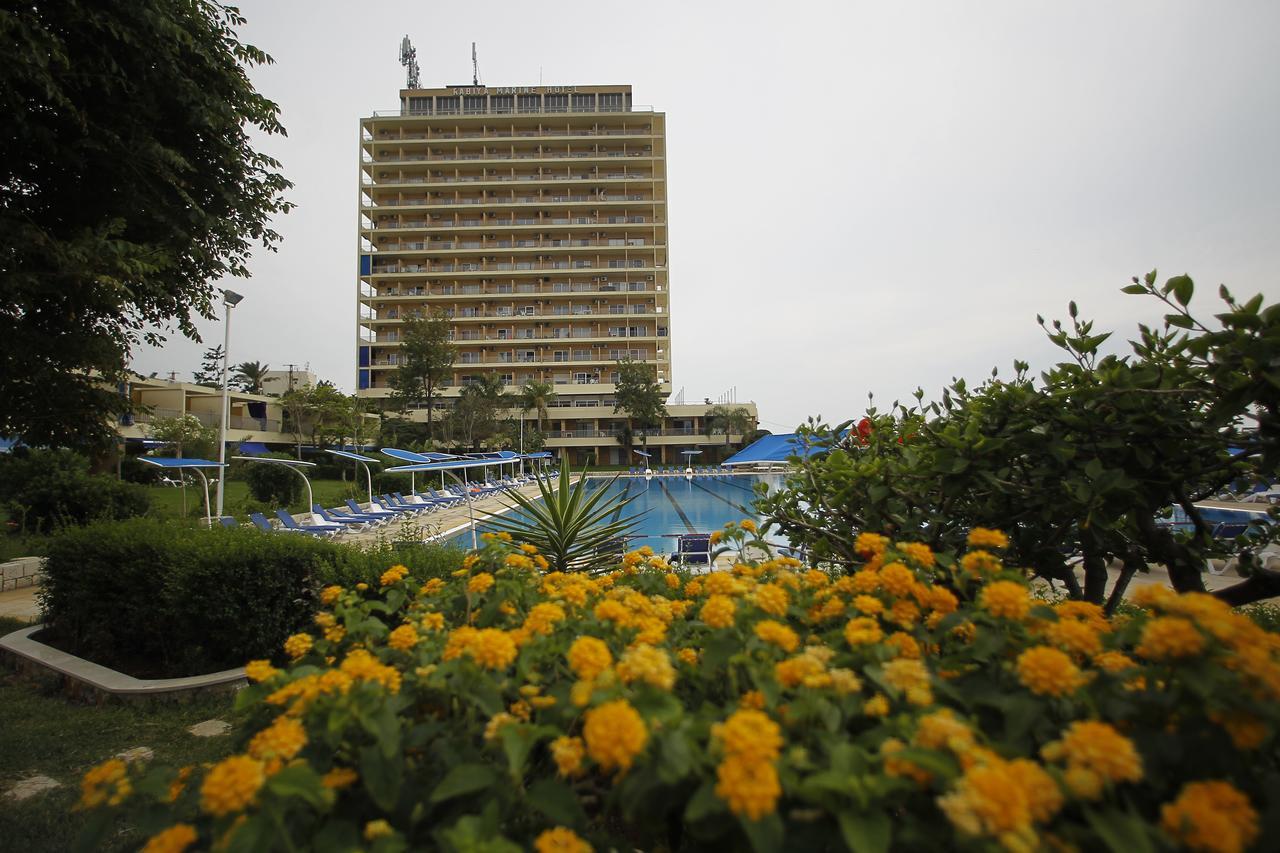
x=569 y=526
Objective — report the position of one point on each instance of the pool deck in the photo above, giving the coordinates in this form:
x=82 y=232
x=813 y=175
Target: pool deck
x=441 y=523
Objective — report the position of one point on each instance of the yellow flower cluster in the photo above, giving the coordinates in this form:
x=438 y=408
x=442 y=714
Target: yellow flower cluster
x=1095 y=754
x=588 y=657
x=718 y=611
x=1006 y=600
x=777 y=634
x=106 y=784
x=1003 y=800
x=1211 y=816
x=393 y=575
x=647 y=664
x=403 y=638
x=232 y=785
x=481 y=583
x=278 y=742
x=1048 y=671
x=746 y=778
x=175 y=839
x=560 y=840
x=615 y=734
x=297 y=645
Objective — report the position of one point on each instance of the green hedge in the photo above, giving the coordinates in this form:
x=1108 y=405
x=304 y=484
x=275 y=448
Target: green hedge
x=157 y=599
x=41 y=490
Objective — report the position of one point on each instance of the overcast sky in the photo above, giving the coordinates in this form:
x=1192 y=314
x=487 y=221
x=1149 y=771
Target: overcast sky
x=864 y=197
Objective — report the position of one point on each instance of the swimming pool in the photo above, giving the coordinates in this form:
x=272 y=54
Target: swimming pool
x=668 y=506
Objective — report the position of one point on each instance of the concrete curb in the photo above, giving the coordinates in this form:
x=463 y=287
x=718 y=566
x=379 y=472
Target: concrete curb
x=82 y=676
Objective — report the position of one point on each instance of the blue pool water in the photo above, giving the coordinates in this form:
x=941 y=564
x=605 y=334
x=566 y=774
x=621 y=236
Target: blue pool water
x=669 y=506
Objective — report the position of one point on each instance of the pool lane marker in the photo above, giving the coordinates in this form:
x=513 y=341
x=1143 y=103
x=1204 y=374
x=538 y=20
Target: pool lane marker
x=626 y=490
x=739 y=507
x=679 y=511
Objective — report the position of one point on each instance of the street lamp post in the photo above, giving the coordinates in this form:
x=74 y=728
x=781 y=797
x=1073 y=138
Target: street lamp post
x=230 y=299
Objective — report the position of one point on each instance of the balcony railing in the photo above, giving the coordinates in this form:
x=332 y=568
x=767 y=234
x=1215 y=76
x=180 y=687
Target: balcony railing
x=491 y=200
x=513 y=220
x=559 y=156
x=584 y=267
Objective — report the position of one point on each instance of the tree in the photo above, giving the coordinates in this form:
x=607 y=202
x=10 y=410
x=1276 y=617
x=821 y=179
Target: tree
x=640 y=397
x=250 y=375
x=1087 y=459
x=734 y=420
x=185 y=435
x=322 y=413
x=128 y=183
x=210 y=372
x=426 y=360
x=536 y=397
x=476 y=413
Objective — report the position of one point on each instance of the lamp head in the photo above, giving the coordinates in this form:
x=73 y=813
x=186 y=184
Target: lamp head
x=231 y=298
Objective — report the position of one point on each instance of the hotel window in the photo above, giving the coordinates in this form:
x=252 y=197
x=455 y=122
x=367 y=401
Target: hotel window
x=419 y=106
x=473 y=104
x=502 y=103
x=446 y=106
x=530 y=103
x=557 y=103
x=584 y=103
x=611 y=102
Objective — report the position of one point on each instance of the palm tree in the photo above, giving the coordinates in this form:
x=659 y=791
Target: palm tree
x=250 y=375
x=536 y=397
x=730 y=421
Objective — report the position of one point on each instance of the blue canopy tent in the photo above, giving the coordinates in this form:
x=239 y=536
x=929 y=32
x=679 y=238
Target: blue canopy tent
x=415 y=458
x=361 y=461
x=542 y=457
x=773 y=450
x=295 y=465
x=253 y=448
x=447 y=468
x=196 y=465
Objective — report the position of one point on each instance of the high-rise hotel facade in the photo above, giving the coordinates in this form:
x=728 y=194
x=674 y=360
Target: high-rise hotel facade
x=535 y=219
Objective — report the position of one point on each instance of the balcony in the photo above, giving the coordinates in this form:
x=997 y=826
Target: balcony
x=582 y=267
x=511 y=202
x=506 y=222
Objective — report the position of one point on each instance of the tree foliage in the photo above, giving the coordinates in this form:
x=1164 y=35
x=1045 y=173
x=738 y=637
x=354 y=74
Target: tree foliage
x=1085 y=460
x=210 y=372
x=128 y=182
x=640 y=397
x=249 y=376
x=185 y=435
x=426 y=361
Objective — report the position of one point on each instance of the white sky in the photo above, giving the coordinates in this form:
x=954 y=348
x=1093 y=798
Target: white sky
x=863 y=197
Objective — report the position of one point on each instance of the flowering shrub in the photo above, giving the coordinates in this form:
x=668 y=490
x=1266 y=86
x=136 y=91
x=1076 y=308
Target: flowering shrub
x=921 y=701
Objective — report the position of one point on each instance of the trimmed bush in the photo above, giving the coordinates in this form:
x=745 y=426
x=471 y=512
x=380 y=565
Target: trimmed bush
x=154 y=598
x=41 y=490
x=273 y=484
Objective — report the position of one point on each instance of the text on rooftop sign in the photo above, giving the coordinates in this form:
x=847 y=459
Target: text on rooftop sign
x=514 y=90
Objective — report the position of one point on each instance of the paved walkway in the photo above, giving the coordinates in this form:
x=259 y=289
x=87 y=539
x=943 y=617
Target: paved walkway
x=20 y=604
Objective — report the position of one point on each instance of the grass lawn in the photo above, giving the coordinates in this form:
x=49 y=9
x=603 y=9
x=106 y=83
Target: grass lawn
x=41 y=732
x=166 y=501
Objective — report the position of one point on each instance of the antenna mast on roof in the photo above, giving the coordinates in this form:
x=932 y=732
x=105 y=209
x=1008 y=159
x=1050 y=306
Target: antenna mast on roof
x=409 y=59
x=475 y=66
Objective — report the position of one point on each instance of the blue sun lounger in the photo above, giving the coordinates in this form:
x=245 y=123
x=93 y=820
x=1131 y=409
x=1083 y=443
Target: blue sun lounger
x=374 y=510
x=351 y=521
x=323 y=529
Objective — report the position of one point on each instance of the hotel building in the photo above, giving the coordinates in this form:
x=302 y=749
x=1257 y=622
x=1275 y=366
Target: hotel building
x=535 y=219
